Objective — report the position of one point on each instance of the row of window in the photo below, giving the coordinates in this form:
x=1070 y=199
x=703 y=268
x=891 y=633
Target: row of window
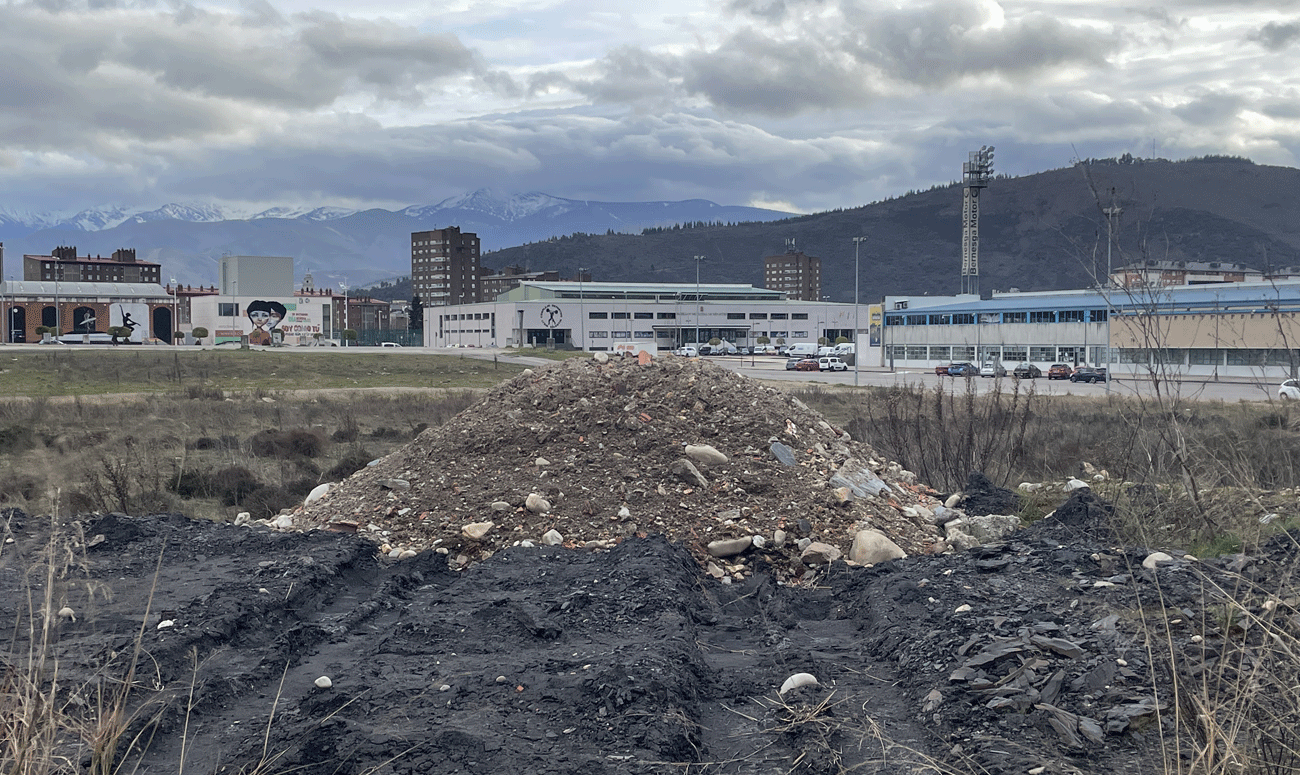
x=1006 y=354
x=968 y=318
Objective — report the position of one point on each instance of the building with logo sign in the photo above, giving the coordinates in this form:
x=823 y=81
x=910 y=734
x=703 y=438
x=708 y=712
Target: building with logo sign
x=592 y=316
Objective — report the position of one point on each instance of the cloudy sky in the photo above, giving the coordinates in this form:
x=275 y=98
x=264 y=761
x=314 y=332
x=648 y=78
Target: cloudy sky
x=802 y=104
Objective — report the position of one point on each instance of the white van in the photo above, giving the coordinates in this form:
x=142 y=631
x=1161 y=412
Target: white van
x=687 y=351
x=802 y=350
x=844 y=348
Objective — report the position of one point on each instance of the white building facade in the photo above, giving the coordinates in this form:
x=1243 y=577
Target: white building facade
x=592 y=316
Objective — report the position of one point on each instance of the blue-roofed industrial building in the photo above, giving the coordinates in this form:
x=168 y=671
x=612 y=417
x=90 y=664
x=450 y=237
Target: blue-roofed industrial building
x=1225 y=329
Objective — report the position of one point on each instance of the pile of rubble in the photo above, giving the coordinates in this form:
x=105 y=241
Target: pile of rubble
x=590 y=451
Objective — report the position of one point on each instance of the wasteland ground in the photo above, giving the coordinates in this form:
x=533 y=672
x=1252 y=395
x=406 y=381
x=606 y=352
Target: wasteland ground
x=628 y=647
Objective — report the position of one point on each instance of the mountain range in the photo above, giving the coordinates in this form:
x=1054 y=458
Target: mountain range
x=359 y=247
x=1043 y=231
x=1038 y=232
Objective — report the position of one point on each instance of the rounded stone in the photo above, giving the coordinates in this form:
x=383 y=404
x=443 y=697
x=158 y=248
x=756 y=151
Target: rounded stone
x=323 y=682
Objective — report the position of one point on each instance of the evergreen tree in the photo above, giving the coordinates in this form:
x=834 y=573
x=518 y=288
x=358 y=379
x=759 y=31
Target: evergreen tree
x=417 y=314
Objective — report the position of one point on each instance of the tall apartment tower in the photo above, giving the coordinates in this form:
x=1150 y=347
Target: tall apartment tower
x=794 y=272
x=445 y=267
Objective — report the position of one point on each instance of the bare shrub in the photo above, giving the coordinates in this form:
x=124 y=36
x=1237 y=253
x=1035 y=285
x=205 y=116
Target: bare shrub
x=275 y=443
x=233 y=484
x=354 y=460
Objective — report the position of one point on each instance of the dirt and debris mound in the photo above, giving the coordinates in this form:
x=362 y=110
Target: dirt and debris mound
x=982 y=497
x=587 y=453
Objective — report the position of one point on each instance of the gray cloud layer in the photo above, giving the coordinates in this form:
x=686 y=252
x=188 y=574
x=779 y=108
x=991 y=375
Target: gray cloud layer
x=820 y=103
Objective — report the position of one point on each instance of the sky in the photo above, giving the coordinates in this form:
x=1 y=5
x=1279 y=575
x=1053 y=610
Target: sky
x=800 y=105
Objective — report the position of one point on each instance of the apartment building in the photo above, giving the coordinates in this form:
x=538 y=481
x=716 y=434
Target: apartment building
x=445 y=267
x=797 y=275
x=64 y=265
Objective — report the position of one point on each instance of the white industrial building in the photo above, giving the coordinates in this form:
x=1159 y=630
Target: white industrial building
x=592 y=316
x=1228 y=329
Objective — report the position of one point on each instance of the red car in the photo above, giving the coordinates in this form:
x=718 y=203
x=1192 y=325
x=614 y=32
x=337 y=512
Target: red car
x=941 y=370
x=1059 y=371
x=808 y=364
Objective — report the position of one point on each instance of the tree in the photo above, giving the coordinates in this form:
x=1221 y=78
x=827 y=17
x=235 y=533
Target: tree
x=763 y=340
x=841 y=340
x=178 y=336
x=350 y=334
x=199 y=334
x=417 y=314
x=715 y=341
x=119 y=332
x=821 y=340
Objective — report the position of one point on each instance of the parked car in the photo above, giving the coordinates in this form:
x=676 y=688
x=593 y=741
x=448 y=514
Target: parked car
x=792 y=363
x=807 y=364
x=1289 y=390
x=389 y=344
x=1027 y=371
x=963 y=369
x=1059 y=371
x=831 y=363
x=941 y=370
x=687 y=351
x=1088 y=374
x=991 y=369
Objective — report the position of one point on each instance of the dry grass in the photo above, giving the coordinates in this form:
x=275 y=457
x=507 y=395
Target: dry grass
x=200 y=456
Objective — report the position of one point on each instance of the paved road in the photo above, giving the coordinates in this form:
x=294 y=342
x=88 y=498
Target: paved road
x=773 y=368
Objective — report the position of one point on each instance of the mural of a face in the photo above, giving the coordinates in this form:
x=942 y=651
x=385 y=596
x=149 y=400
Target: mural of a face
x=265 y=316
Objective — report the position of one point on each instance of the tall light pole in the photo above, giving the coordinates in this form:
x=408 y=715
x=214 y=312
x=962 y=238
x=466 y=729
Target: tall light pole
x=176 y=323
x=698 y=307
x=1110 y=212
x=857 y=243
x=582 y=312
x=344 y=286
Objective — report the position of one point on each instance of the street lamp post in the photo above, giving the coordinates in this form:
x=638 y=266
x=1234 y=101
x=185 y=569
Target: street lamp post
x=344 y=286
x=698 y=307
x=582 y=312
x=175 y=312
x=857 y=243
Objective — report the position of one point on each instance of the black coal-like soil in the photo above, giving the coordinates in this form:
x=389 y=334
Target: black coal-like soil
x=551 y=660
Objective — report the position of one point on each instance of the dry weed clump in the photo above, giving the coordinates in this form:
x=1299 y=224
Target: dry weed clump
x=200 y=451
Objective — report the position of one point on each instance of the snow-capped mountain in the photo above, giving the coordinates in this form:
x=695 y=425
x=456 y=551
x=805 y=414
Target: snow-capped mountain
x=361 y=246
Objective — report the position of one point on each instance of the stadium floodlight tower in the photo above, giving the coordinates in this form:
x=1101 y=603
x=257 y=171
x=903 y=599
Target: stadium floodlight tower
x=975 y=176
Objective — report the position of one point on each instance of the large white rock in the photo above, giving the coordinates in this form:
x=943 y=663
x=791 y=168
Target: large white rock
x=537 y=504
x=1156 y=558
x=730 y=547
x=552 y=537
x=797 y=680
x=872 y=546
x=818 y=553
x=317 y=493
x=476 y=530
x=706 y=454
x=985 y=529
x=1075 y=484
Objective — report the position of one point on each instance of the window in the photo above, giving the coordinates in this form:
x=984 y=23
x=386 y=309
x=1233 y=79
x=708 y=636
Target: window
x=667 y=315
x=620 y=316
x=758 y=316
x=779 y=316
x=893 y=320
x=963 y=353
x=917 y=320
x=1070 y=316
x=1015 y=317
x=963 y=319
x=1042 y=353
x=1015 y=353
x=799 y=316
x=597 y=315
x=940 y=352
x=800 y=334
x=1205 y=357
x=227 y=309
x=598 y=334
x=735 y=316
x=1099 y=355
x=1043 y=316
x=643 y=315
x=940 y=320
x=1096 y=316
x=645 y=335
x=915 y=352
x=622 y=334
